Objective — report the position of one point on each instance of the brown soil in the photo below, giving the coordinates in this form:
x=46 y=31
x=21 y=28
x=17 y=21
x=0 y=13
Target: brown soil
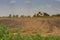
x=46 y=26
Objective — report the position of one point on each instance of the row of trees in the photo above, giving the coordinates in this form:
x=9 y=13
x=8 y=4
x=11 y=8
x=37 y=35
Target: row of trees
x=39 y=14
x=13 y=16
x=17 y=16
x=57 y=15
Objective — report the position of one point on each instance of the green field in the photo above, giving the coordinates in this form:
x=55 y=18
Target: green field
x=5 y=34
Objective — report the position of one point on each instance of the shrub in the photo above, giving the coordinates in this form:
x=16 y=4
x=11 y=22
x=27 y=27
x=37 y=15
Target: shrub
x=6 y=35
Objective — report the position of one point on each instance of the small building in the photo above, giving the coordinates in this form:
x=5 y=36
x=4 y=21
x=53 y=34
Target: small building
x=40 y=14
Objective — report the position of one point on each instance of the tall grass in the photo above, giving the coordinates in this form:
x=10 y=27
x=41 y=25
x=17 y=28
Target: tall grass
x=5 y=34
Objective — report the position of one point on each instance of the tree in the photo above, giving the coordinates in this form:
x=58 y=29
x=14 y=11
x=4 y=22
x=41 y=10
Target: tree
x=57 y=15
x=14 y=16
x=45 y=14
x=28 y=16
x=39 y=14
x=17 y=16
x=22 y=16
x=9 y=16
x=34 y=15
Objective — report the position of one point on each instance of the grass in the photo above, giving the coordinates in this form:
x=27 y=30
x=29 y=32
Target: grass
x=5 y=34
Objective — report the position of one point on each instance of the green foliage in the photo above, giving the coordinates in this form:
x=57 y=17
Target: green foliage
x=13 y=16
x=29 y=16
x=6 y=35
x=17 y=16
x=9 y=16
x=45 y=14
x=57 y=15
x=22 y=16
x=39 y=14
x=34 y=15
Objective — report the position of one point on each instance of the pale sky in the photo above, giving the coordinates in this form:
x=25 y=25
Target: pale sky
x=28 y=7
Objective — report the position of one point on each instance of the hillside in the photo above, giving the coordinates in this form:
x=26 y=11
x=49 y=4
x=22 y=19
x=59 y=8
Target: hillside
x=46 y=26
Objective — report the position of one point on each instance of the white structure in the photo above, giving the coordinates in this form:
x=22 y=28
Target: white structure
x=40 y=14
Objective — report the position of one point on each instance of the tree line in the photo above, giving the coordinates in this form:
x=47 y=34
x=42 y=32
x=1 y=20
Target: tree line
x=39 y=14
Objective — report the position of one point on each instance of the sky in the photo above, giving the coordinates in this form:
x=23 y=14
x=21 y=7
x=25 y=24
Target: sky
x=28 y=7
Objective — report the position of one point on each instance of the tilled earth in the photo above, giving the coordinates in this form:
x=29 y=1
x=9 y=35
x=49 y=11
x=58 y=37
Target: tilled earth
x=34 y=25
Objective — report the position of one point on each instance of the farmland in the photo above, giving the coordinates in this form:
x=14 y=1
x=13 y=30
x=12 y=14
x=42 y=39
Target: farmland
x=30 y=28
x=45 y=26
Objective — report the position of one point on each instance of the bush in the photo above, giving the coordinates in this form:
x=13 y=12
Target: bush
x=45 y=14
x=57 y=15
x=9 y=16
x=6 y=35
